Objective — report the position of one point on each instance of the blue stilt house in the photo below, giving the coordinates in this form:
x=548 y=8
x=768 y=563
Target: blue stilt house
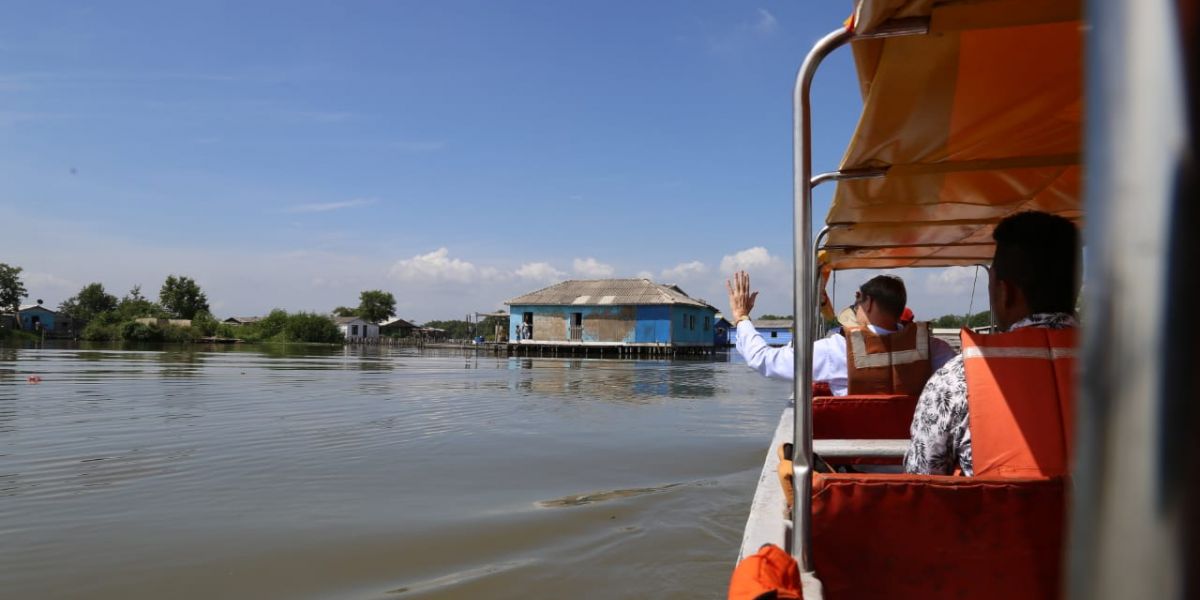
x=611 y=312
x=776 y=332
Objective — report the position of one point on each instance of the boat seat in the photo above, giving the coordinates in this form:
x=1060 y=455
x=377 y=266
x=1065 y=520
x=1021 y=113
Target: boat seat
x=877 y=417
x=910 y=536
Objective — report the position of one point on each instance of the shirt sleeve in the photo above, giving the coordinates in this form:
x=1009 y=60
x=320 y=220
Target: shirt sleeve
x=772 y=362
x=829 y=363
x=939 y=424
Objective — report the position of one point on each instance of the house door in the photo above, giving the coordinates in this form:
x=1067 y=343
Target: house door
x=525 y=332
x=576 y=329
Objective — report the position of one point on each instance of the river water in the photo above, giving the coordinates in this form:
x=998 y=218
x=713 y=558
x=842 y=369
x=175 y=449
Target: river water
x=373 y=474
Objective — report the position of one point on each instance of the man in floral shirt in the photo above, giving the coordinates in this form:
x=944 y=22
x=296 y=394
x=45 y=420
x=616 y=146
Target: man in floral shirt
x=1033 y=282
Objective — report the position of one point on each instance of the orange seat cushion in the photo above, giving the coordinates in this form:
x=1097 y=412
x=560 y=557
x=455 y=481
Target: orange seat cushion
x=908 y=536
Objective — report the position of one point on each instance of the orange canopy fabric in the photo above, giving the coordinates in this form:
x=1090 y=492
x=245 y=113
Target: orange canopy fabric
x=976 y=120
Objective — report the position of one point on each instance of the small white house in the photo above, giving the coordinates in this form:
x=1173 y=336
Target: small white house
x=355 y=328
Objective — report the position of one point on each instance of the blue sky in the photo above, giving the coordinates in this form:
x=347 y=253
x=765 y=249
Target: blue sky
x=457 y=154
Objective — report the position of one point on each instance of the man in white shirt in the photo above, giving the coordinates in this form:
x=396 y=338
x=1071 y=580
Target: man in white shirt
x=878 y=304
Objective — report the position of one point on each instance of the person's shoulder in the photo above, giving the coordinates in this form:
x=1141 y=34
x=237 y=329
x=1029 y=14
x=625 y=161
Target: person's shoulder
x=949 y=375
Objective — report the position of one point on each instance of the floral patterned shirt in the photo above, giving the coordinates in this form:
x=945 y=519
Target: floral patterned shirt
x=940 y=438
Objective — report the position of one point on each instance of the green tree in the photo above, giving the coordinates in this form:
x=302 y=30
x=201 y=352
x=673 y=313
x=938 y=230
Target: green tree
x=134 y=305
x=775 y=317
x=978 y=319
x=90 y=302
x=12 y=289
x=205 y=324
x=311 y=327
x=182 y=297
x=345 y=311
x=376 y=306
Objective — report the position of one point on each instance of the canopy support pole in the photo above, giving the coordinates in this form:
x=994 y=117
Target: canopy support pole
x=803 y=299
x=807 y=278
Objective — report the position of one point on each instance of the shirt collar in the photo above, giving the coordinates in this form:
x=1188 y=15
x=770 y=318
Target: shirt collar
x=881 y=331
x=1051 y=320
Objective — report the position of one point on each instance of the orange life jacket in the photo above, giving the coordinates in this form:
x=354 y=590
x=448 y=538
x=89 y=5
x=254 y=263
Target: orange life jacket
x=769 y=573
x=1020 y=398
x=897 y=363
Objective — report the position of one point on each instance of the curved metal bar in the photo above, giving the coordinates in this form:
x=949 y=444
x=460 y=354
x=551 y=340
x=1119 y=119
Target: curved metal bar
x=847 y=175
x=803 y=297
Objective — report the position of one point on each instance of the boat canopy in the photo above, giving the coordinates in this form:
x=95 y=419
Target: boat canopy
x=974 y=121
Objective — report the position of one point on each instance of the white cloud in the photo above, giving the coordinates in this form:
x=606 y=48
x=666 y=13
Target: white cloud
x=328 y=206
x=590 y=267
x=684 y=271
x=750 y=258
x=435 y=266
x=955 y=281
x=539 y=271
x=645 y=275
x=766 y=23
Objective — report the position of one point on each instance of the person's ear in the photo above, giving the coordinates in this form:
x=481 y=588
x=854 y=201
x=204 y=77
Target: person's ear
x=1007 y=295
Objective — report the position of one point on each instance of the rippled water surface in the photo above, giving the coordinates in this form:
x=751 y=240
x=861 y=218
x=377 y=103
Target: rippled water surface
x=331 y=473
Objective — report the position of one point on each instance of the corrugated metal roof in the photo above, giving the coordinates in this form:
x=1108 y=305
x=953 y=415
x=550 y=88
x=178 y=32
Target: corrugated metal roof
x=608 y=291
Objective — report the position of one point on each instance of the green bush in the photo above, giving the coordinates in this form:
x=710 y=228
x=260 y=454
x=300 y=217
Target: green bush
x=203 y=324
x=132 y=331
x=101 y=330
x=311 y=327
x=280 y=327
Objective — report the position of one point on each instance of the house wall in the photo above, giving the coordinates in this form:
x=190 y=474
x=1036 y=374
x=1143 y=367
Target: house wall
x=45 y=316
x=776 y=336
x=692 y=325
x=365 y=330
x=654 y=324
x=648 y=324
x=724 y=333
x=599 y=323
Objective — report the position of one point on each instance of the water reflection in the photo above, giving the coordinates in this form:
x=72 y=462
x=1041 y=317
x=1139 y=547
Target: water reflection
x=615 y=380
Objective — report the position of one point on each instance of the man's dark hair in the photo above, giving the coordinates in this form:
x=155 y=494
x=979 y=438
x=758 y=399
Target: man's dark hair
x=1040 y=254
x=888 y=291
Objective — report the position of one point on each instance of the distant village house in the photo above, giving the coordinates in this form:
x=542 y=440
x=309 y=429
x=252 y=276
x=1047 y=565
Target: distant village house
x=237 y=321
x=397 y=327
x=611 y=312
x=37 y=318
x=356 y=328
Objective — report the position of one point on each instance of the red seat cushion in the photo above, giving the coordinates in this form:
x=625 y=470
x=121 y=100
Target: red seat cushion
x=863 y=417
x=907 y=536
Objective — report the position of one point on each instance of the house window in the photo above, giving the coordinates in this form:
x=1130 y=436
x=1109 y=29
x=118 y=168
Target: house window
x=354 y=330
x=692 y=322
x=707 y=323
x=774 y=334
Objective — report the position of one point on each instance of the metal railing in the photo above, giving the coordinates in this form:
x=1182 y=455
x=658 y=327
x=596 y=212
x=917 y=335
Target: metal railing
x=807 y=278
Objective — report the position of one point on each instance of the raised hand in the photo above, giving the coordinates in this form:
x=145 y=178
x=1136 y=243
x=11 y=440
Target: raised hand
x=741 y=299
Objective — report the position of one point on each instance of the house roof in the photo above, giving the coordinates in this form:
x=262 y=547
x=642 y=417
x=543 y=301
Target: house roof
x=25 y=307
x=348 y=320
x=243 y=319
x=397 y=322
x=773 y=324
x=592 y=292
